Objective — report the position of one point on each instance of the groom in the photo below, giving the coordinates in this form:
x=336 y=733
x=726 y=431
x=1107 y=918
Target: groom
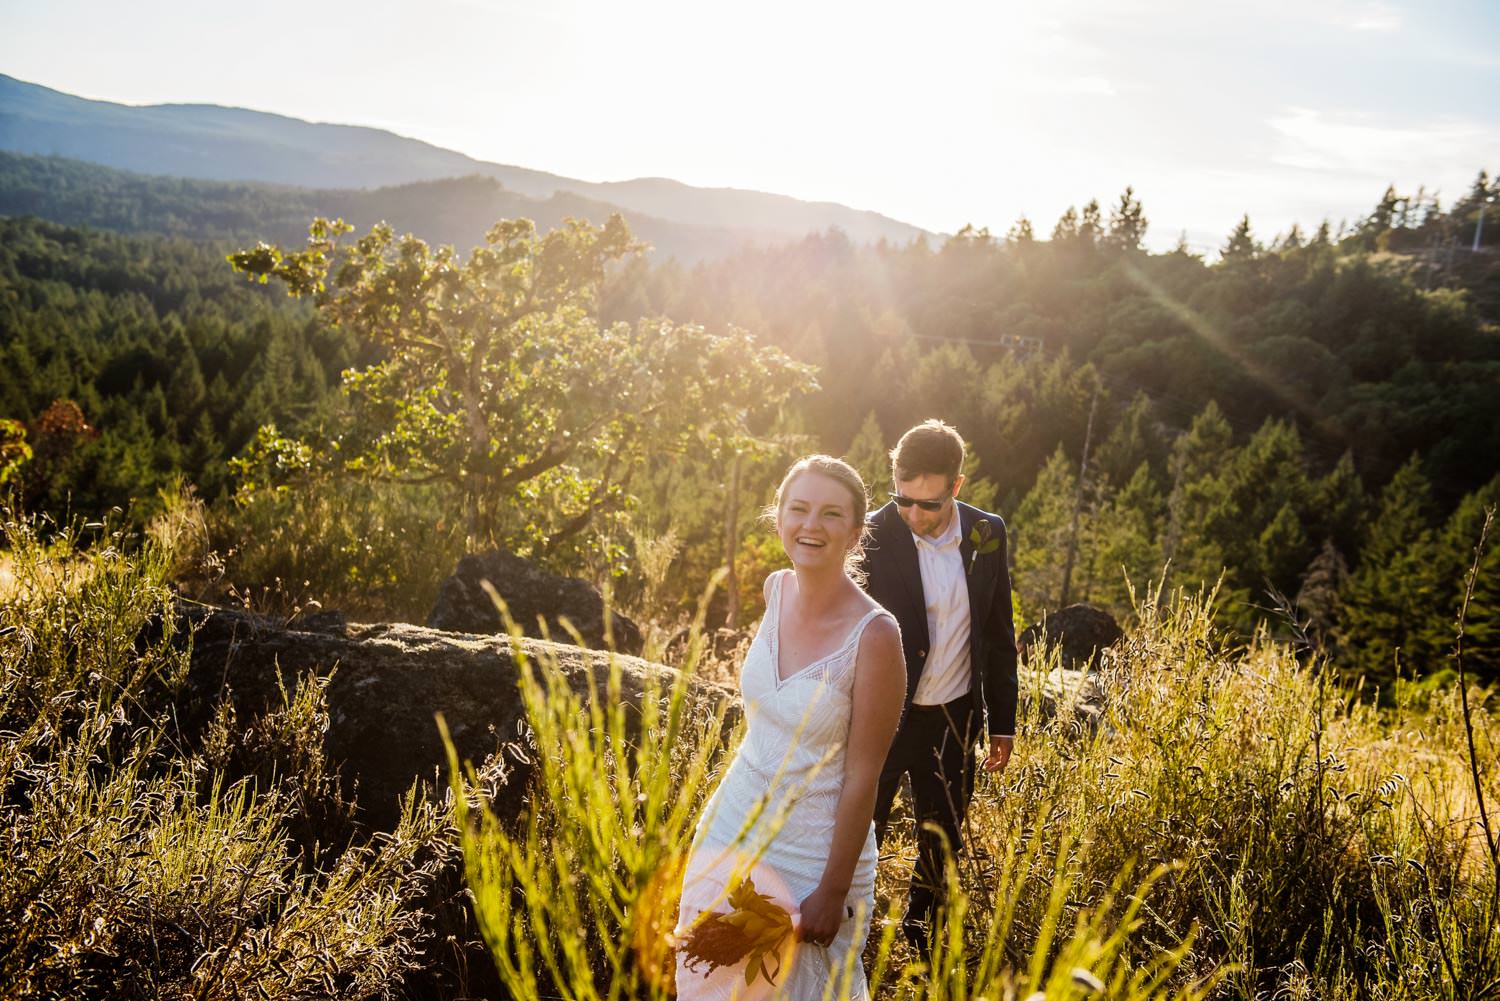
x=939 y=566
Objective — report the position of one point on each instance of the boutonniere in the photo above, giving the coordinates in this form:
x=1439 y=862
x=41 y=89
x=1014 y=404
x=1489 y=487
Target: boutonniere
x=979 y=538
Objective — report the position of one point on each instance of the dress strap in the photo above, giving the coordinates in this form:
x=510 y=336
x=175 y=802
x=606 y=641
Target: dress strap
x=859 y=628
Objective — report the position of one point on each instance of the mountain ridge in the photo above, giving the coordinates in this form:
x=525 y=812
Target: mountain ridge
x=450 y=210
x=222 y=143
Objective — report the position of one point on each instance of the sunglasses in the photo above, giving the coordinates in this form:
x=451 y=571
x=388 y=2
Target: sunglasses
x=903 y=501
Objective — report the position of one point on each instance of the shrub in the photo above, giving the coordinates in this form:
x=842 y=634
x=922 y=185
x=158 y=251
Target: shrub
x=133 y=867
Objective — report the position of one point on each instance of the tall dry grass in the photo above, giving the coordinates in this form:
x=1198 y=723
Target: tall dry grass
x=1232 y=825
x=135 y=866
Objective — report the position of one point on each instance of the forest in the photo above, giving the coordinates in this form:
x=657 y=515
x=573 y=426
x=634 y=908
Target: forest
x=1310 y=415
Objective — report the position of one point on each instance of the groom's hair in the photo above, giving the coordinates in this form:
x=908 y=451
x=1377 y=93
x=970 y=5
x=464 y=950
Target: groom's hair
x=932 y=447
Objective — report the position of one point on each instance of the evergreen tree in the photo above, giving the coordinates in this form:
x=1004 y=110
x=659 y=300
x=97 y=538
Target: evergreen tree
x=1090 y=224
x=868 y=454
x=1039 y=535
x=1020 y=232
x=1202 y=496
x=1383 y=216
x=1241 y=245
x=1135 y=439
x=1129 y=532
x=1396 y=597
x=1337 y=510
x=1066 y=230
x=1127 y=222
x=1318 y=597
x=1457 y=545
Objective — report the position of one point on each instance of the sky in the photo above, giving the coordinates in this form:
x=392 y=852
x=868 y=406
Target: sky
x=939 y=114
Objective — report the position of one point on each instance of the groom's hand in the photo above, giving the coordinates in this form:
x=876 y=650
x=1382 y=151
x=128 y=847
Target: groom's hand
x=999 y=753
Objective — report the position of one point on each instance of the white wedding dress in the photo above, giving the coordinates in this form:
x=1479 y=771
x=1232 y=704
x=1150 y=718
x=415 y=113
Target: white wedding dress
x=772 y=818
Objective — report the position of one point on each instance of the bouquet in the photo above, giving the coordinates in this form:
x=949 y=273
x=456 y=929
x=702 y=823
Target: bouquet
x=756 y=927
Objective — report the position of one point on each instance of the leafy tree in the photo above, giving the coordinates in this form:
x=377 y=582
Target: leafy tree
x=499 y=380
x=13 y=449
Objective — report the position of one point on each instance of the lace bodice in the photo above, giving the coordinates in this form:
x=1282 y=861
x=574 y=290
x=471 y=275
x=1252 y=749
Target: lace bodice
x=797 y=729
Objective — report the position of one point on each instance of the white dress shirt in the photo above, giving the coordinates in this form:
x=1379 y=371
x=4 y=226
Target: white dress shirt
x=945 y=671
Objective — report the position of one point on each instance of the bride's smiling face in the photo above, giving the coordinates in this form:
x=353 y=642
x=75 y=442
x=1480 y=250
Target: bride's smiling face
x=816 y=520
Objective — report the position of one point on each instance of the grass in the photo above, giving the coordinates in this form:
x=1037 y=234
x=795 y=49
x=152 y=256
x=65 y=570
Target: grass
x=132 y=865
x=1231 y=824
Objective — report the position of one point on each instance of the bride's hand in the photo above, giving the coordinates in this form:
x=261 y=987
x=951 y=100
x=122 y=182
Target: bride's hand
x=822 y=913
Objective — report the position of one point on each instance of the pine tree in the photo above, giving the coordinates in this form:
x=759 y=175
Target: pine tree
x=1395 y=597
x=1383 y=216
x=1091 y=224
x=1241 y=245
x=1318 y=598
x=1135 y=439
x=1263 y=536
x=1066 y=229
x=1200 y=497
x=867 y=453
x=1129 y=533
x=1282 y=549
x=1457 y=545
x=1337 y=510
x=1039 y=535
x=1127 y=222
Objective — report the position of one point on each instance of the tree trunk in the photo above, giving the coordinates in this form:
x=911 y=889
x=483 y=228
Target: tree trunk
x=732 y=544
x=1083 y=472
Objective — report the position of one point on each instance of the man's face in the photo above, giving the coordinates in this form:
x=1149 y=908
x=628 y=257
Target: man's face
x=928 y=487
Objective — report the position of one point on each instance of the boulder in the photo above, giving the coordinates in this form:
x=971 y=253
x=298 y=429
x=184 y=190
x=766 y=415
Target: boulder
x=1080 y=632
x=389 y=682
x=532 y=595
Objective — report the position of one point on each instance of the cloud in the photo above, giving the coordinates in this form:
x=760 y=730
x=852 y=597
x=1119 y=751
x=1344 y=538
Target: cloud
x=1357 y=143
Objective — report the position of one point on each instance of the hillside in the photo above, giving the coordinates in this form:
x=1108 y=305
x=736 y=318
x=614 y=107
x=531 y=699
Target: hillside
x=235 y=144
x=454 y=211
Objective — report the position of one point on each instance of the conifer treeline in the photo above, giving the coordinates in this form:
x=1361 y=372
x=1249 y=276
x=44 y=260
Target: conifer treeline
x=1316 y=415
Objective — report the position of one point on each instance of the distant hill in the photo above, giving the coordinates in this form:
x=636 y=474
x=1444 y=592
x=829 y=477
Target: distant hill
x=209 y=142
x=455 y=211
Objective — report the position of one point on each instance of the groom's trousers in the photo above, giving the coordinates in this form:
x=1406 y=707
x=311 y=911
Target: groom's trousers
x=935 y=746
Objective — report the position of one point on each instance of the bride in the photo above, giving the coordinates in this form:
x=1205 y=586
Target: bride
x=823 y=685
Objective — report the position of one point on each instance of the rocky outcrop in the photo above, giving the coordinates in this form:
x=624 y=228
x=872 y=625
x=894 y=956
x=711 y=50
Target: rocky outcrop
x=531 y=594
x=1079 y=632
x=389 y=682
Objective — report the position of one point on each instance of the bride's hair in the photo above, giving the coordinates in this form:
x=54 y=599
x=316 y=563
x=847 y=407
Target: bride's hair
x=846 y=476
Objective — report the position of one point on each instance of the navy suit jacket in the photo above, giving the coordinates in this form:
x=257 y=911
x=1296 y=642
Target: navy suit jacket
x=894 y=578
